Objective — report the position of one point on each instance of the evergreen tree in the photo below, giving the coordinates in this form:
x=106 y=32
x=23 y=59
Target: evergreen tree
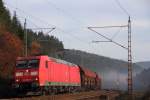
x=50 y=47
x=16 y=27
x=5 y=18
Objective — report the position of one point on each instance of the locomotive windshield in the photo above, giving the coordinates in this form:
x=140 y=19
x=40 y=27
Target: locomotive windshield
x=27 y=63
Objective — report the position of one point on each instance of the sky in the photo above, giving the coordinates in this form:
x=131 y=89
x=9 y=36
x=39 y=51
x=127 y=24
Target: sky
x=72 y=17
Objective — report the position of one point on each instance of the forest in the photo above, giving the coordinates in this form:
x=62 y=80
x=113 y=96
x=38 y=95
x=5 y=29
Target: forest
x=12 y=41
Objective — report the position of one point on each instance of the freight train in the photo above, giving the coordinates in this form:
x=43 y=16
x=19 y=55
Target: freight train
x=49 y=75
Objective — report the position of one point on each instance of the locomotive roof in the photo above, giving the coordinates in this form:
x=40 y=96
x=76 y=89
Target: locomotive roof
x=53 y=59
x=28 y=57
x=62 y=61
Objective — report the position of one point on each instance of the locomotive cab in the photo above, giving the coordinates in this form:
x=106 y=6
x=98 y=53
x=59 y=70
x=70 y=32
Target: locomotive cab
x=26 y=73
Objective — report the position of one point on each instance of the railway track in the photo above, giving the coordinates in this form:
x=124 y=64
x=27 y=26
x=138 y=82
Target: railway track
x=91 y=95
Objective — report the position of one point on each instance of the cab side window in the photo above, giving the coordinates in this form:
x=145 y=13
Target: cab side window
x=46 y=64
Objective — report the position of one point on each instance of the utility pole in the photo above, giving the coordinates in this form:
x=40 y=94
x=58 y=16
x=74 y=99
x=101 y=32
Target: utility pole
x=129 y=80
x=130 y=88
x=25 y=39
x=26 y=36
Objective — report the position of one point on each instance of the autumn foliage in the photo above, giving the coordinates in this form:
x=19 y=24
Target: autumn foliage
x=12 y=41
x=10 y=48
x=35 y=48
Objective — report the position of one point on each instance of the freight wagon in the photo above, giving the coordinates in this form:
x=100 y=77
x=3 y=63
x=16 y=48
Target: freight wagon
x=49 y=75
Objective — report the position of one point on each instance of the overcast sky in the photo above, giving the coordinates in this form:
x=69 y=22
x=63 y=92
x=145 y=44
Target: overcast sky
x=72 y=17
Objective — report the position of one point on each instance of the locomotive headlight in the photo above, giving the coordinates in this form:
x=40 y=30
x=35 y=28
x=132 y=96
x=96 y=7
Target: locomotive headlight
x=34 y=73
x=19 y=73
x=17 y=80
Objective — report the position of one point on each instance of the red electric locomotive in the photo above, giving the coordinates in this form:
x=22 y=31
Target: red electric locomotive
x=49 y=75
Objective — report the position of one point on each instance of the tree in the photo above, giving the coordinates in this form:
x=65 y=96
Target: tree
x=12 y=41
x=11 y=48
x=16 y=27
x=5 y=19
x=35 y=48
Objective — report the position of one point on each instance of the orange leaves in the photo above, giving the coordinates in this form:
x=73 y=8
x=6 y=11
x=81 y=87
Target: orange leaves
x=10 y=48
x=35 y=48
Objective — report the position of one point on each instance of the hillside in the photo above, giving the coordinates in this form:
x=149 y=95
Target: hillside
x=145 y=64
x=111 y=70
x=143 y=80
x=12 y=43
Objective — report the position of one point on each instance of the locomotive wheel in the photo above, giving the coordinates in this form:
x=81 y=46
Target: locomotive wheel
x=43 y=91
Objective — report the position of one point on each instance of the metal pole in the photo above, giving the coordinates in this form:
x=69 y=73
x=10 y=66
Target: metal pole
x=129 y=61
x=130 y=83
x=25 y=40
